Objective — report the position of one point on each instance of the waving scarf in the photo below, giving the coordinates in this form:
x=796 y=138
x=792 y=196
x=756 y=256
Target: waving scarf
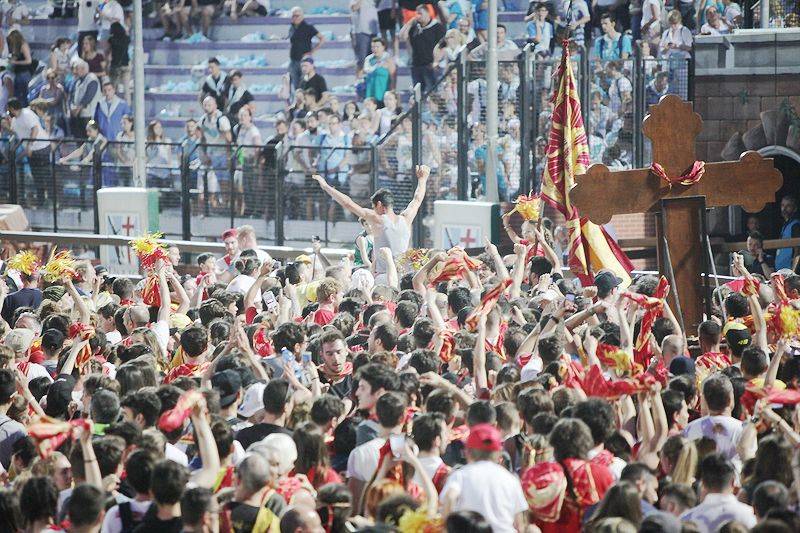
x=82 y=332
x=488 y=301
x=50 y=433
x=653 y=308
x=172 y=419
x=186 y=369
x=595 y=384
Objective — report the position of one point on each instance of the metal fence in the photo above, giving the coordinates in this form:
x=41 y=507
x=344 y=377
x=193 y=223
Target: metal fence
x=204 y=189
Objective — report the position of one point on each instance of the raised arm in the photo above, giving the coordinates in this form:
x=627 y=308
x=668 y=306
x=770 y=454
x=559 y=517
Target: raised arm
x=163 y=292
x=420 y=280
x=252 y=292
x=499 y=265
x=80 y=306
x=206 y=447
x=343 y=200
x=518 y=273
x=180 y=293
x=410 y=212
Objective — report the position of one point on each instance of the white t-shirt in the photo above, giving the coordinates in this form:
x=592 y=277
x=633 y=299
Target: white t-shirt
x=489 y=489
x=161 y=329
x=531 y=369
x=112 y=523
x=616 y=466
x=173 y=453
x=241 y=284
x=114 y=337
x=86 y=10
x=430 y=465
x=725 y=431
x=35 y=370
x=24 y=123
x=111 y=12
x=363 y=460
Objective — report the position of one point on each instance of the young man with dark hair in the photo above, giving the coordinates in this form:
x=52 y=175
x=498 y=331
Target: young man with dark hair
x=404 y=316
x=86 y=509
x=167 y=483
x=432 y=435
x=141 y=407
x=677 y=498
x=676 y=409
x=277 y=407
x=391 y=230
x=125 y=516
x=194 y=345
x=301 y=520
x=382 y=338
x=374 y=380
x=326 y=411
x=599 y=416
x=732 y=436
x=390 y=409
x=719 y=504
x=769 y=495
x=199 y=510
x=336 y=370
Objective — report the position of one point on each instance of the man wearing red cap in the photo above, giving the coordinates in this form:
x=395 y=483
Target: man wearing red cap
x=224 y=266
x=484 y=486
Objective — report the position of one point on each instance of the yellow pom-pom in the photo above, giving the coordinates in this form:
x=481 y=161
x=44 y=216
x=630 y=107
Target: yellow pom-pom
x=419 y=522
x=60 y=265
x=148 y=249
x=25 y=262
x=790 y=321
x=529 y=207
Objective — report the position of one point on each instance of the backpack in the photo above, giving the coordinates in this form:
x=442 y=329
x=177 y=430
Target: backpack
x=619 y=46
x=126 y=517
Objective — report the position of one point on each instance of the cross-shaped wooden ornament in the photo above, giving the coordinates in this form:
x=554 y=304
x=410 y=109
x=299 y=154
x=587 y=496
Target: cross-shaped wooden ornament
x=672 y=127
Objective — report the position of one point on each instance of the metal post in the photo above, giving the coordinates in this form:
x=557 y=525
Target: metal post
x=764 y=13
x=140 y=161
x=54 y=184
x=12 y=178
x=186 y=205
x=639 y=109
x=462 y=127
x=278 y=211
x=373 y=167
x=232 y=160
x=416 y=155
x=490 y=170
x=525 y=116
x=585 y=83
x=97 y=182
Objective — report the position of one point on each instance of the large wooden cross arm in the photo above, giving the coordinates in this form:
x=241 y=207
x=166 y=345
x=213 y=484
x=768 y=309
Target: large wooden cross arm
x=672 y=127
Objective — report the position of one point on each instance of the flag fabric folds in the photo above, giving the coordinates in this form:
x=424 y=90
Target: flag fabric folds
x=590 y=247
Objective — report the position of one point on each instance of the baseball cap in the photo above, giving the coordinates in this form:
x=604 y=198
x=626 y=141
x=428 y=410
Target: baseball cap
x=100 y=269
x=307 y=59
x=59 y=395
x=681 y=365
x=228 y=383
x=253 y=400
x=605 y=280
x=229 y=233
x=19 y=339
x=484 y=437
x=302 y=258
x=738 y=337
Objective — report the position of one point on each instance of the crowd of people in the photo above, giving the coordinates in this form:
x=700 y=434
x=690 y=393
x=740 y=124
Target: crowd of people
x=397 y=390
x=83 y=91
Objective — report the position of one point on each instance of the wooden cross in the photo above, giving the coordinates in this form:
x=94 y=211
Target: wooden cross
x=673 y=126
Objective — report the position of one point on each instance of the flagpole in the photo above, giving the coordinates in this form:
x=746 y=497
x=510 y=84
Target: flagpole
x=492 y=194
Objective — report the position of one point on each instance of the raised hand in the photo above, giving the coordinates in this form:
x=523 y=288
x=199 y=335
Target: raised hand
x=319 y=179
x=423 y=171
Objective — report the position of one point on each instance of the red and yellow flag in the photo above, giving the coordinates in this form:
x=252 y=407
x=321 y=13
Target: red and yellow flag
x=590 y=247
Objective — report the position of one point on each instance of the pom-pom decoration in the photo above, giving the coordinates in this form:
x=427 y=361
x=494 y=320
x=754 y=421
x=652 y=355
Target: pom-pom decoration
x=174 y=418
x=413 y=259
x=50 y=433
x=60 y=266
x=24 y=262
x=151 y=293
x=529 y=207
x=419 y=522
x=79 y=331
x=786 y=321
x=149 y=250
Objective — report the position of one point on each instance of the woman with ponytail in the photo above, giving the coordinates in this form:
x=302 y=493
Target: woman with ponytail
x=679 y=460
x=247 y=266
x=560 y=491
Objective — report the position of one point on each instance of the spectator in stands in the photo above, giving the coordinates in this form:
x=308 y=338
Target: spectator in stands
x=422 y=33
x=125 y=151
x=676 y=41
x=87 y=22
x=251 y=8
x=85 y=153
x=620 y=89
x=119 y=63
x=507 y=50
x=301 y=34
x=732 y=13
x=612 y=44
x=160 y=158
x=216 y=130
x=52 y=94
x=83 y=98
x=332 y=162
x=540 y=31
x=312 y=80
x=619 y=12
x=379 y=70
x=237 y=97
x=573 y=15
x=248 y=139
x=215 y=83
x=59 y=57
x=22 y=63
x=650 y=29
x=108 y=13
x=715 y=24
x=473 y=40
x=207 y=9
x=480 y=18
x=449 y=49
x=788 y=257
x=110 y=110
x=28 y=130
x=95 y=60
x=658 y=87
x=363 y=27
x=760 y=262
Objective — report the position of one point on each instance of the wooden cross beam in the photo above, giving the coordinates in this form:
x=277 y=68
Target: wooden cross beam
x=672 y=127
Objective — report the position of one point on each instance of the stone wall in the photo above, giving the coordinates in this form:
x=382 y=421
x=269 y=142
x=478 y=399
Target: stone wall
x=730 y=104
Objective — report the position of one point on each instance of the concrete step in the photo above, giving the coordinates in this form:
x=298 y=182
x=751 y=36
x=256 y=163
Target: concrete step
x=158 y=75
x=187 y=104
